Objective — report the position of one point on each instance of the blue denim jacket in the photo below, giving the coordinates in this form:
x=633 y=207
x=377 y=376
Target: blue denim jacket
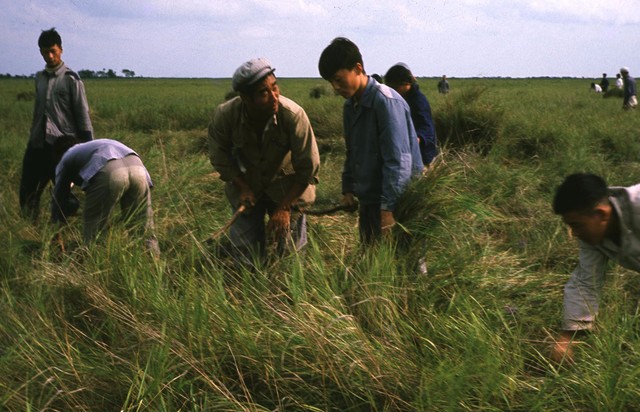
x=382 y=146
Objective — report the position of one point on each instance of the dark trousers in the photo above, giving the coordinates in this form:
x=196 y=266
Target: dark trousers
x=249 y=237
x=369 y=223
x=38 y=169
x=411 y=249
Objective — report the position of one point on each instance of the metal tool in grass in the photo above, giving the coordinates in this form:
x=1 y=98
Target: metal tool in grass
x=328 y=211
x=313 y=212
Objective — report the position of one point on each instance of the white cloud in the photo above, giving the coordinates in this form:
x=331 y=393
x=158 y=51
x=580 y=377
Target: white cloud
x=298 y=8
x=211 y=37
x=605 y=11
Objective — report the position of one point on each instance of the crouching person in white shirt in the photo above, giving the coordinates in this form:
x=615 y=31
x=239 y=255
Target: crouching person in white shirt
x=109 y=173
x=604 y=220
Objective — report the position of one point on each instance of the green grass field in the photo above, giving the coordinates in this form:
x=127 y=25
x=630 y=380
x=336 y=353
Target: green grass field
x=338 y=328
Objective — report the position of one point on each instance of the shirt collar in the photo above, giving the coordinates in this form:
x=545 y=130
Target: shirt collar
x=272 y=121
x=624 y=216
x=55 y=71
x=367 y=96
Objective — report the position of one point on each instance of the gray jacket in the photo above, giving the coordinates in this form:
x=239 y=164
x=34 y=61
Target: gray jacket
x=60 y=109
x=583 y=290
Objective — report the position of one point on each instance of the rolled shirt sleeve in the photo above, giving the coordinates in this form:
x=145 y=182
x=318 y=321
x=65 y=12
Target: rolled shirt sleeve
x=584 y=288
x=305 y=156
x=66 y=172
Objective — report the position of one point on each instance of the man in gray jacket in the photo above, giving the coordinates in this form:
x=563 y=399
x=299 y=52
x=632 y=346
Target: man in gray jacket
x=606 y=220
x=60 y=109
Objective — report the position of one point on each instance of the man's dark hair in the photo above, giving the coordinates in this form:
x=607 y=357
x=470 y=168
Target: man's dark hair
x=579 y=192
x=398 y=74
x=61 y=145
x=49 y=38
x=342 y=53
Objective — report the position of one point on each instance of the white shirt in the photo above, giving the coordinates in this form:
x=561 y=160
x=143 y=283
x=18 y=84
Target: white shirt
x=583 y=290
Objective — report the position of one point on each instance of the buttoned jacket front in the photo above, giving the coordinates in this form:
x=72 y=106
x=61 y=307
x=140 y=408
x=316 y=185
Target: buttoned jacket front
x=61 y=107
x=270 y=163
x=382 y=146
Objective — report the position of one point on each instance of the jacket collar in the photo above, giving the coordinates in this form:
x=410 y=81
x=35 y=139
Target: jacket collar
x=55 y=71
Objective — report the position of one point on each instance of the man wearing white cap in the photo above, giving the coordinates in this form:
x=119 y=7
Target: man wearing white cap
x=264 y=148
x=630 y=100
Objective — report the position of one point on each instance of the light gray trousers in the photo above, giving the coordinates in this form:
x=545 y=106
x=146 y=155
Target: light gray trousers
x=121 y=181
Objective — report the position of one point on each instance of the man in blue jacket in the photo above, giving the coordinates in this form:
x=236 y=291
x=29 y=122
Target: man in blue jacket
x=382 y=145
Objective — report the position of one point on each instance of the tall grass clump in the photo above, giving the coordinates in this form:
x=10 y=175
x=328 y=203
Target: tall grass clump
x=467 y=120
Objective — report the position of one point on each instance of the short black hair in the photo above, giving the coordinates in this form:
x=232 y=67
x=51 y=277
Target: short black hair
x=399 y=74
x=49 y=38
x=342 y=53
x=579 y=192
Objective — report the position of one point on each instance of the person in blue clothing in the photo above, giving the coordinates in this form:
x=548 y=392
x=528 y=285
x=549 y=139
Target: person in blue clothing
x=382 y=153
x=400 y=78
x=630 y=100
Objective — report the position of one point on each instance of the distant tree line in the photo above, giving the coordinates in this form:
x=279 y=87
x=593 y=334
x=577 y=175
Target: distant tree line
x=84 y=73
x=105 y=74
x=16 y=76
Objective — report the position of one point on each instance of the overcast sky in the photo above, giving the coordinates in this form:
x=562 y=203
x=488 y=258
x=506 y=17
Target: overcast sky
x=210 y=38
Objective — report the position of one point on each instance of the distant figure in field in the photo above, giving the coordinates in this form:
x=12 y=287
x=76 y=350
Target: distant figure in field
x=443 y=85
x=604 y=219
x=596 y=87
x=60 y=109
x=109 y=173
x=630 y=100
x=619 y=82
x=604 y=83
x=400 y=78
x=382 y=152
x=264 y=148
